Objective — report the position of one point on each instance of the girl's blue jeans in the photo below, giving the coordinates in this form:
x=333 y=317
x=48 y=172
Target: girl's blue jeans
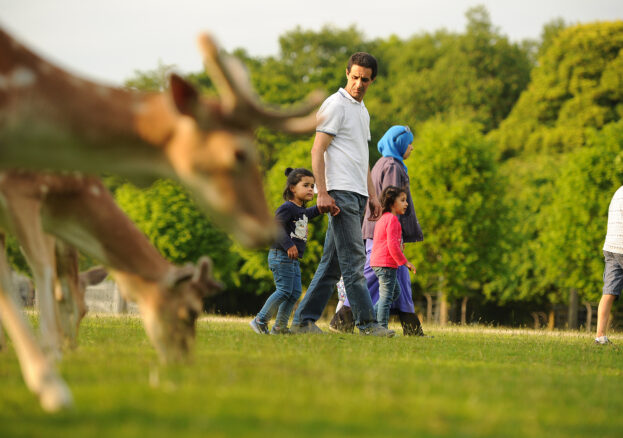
x=287 y=276
x=389 y=291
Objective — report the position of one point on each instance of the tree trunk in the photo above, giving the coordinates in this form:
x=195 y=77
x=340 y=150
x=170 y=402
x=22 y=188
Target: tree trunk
x=464 y=310
x=572 y=318
x=429 y=308
x=443 y=309
x=551 y=320
x=589 y=316
x=441 y=314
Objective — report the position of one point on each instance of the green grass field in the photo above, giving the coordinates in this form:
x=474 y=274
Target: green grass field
x=472 y=382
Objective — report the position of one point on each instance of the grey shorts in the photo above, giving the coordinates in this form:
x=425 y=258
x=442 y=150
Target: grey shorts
x=613 y=274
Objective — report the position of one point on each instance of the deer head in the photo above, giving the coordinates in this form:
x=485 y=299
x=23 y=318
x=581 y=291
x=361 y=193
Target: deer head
x=212 y=149
x=171 y=314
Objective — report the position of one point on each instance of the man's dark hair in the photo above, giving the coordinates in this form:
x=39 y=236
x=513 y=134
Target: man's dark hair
x=363 y=59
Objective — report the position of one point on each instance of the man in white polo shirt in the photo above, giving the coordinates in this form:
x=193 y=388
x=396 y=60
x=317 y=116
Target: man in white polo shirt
x=613 y=270
x=340 y=161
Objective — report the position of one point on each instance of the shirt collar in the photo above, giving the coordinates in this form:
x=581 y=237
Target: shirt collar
x=345 y=93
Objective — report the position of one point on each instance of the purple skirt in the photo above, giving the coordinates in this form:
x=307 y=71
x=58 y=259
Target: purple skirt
x=404 y=303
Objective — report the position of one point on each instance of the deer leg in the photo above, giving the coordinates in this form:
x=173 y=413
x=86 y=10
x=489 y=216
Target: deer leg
x=38 y=248
x=39 y=374
x=69 y=300
x=3 y=250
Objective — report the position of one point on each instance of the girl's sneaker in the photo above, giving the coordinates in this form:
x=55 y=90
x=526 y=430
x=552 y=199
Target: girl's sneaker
x=260 y=328
x=276 y=330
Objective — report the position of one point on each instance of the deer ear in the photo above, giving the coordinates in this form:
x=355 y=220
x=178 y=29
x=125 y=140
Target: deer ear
x=203 y=269
x=203 y=280
x=177 y=275
x=184 y=95
x=94 y=276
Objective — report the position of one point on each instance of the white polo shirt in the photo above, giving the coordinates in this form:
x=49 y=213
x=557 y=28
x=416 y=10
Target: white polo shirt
x=614 y=236
x=347 y=156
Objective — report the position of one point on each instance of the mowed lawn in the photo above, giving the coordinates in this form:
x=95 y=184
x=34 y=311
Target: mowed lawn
x=472 y=382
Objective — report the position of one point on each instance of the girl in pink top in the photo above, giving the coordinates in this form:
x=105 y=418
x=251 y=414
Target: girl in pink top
x=387 y=253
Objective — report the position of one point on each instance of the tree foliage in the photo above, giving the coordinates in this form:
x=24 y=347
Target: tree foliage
x=177 y=228
x=525 y=227
x=574 y=223
x=478 y=74
x=457 y=193
x=576 y=85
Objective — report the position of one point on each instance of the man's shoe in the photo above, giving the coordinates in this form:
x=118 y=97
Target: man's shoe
x=377 y=330
x=308 y=327
x=602 y=340
x=259 y=327
x=276 y=330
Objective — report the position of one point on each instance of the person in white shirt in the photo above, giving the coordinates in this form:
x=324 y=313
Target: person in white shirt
x=613 y=270
x=340 y=162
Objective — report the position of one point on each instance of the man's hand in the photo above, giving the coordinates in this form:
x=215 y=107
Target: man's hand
x=375 y=208
x=410 y=266
x=293 y=252
x=326 y=204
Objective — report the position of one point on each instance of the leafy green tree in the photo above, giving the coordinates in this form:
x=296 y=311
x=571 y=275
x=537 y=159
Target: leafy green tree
x=457 y=192
x=528 y=188
x=478 y=74
x=177 y=228
x=574 y=223
x=576 y=85
x=151 y=80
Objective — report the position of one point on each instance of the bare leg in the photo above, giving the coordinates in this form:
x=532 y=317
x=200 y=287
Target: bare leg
x=603 y=313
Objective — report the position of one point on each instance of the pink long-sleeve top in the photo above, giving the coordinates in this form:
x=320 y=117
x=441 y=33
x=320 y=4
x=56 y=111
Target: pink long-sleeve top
x=386 y=249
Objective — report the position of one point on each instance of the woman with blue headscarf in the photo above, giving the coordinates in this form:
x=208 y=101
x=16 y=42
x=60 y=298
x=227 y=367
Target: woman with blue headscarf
x=390 y=170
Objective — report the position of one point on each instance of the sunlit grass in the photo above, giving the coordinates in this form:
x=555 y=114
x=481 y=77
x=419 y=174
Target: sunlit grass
x=471 y=382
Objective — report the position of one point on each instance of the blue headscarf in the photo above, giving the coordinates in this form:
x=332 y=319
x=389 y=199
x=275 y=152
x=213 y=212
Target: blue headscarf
x=395 y=142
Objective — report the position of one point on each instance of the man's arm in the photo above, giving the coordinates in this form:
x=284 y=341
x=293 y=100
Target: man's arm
x=373 y=201
x=325 y=202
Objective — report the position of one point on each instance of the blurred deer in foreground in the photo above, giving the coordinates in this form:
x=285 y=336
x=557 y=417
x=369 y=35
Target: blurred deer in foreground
x=81 y=212
x=51 y=120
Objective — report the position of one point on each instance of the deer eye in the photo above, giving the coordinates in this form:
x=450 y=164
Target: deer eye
x=241 y=156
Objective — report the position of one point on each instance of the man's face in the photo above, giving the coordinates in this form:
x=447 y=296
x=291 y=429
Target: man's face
x=358 y=80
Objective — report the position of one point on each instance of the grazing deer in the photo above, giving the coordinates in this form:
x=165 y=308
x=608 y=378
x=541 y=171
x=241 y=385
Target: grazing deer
x=80 y=211
x=51 y=120
x=69 y=286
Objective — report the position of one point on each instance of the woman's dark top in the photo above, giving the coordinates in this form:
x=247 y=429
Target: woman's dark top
x=389 y=171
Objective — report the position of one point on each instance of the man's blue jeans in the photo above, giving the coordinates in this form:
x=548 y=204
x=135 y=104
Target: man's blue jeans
x=343 y=255
x=287 y=275
x=389 y=291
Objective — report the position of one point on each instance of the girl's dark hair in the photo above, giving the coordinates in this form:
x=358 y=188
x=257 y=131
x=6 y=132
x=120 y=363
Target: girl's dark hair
x=294 y=177
x=389 y=196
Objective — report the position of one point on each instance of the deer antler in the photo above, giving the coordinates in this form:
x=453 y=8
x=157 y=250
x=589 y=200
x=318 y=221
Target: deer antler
x=240 y=103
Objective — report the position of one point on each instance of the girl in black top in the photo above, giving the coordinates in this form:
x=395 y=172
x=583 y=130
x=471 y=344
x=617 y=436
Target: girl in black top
x=284 y=255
